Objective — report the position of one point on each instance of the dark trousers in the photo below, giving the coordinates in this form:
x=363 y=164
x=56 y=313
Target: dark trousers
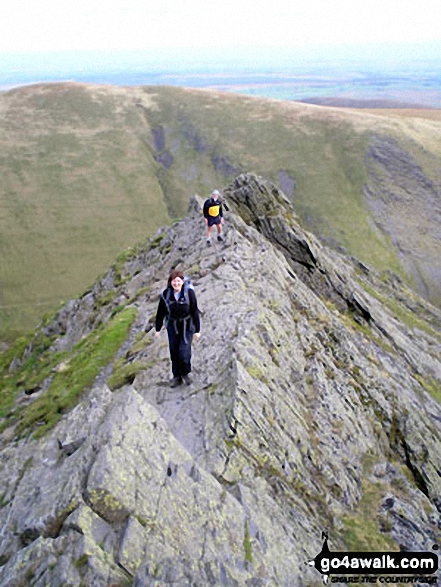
x=180 y=351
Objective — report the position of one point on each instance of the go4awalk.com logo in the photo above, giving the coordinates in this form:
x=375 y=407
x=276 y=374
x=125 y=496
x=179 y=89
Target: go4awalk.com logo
x=387 y=567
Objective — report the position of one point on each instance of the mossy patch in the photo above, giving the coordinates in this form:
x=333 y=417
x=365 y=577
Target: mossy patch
x=124 y=373
x=143 y=291
x=431 y=385
x=247 y=544
x=256 y=372
x=140 y=343
x=106 y=299
x=81 y=561
x=406 y=316
x=155 y=242
x=361 y=531
x=119 y=265
x=107 y=506
x=87 y=358
x=34 y=363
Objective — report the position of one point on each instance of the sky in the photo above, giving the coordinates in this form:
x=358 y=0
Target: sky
x=29 y=26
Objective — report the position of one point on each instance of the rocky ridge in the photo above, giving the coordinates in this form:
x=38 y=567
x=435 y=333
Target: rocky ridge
x=314 y=407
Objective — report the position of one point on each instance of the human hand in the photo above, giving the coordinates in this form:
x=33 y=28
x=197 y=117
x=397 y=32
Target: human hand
x=157 y=334
x=197 y=336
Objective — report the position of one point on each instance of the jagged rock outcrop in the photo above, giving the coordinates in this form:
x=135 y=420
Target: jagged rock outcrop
x=314 y=407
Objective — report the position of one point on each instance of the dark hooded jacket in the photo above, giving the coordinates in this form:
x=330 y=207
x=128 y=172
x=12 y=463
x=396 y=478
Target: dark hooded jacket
x=182 y=314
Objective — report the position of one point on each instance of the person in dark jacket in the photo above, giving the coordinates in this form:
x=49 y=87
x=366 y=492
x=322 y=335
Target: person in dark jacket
x=213 y=215
x=178 y=305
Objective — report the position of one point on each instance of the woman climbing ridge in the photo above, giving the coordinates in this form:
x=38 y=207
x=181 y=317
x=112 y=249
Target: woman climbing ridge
x=178 y=304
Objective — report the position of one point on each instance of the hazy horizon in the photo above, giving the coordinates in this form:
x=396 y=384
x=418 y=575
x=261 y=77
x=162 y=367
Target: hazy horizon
x=407 y=72
x=131 y=42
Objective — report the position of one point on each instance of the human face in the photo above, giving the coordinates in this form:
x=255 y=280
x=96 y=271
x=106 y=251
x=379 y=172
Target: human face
x=177 y=283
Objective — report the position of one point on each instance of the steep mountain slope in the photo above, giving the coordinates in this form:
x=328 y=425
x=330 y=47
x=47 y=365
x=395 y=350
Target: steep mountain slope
x=89 y=170
x=78 y=186
x=314 y=407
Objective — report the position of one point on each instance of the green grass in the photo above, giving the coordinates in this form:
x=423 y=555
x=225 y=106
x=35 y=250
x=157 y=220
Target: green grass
x=361 y=530
x=247 y=544
x=403 y=314
x=124 y=374
x=35 y=368
x=431 y=385
x=78 y=186
x=79 y=370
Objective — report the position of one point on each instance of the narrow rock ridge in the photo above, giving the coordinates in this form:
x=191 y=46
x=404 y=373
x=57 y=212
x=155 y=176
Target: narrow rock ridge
x=313 y=408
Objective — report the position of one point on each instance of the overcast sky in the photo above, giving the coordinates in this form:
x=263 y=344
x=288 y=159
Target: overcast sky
x=53 y=25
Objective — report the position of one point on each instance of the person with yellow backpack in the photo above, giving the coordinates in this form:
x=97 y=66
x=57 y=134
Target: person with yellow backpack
x=213 y=216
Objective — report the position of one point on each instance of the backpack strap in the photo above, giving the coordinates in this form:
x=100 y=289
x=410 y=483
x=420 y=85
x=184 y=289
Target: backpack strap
x=166 y=299
x=185 y=324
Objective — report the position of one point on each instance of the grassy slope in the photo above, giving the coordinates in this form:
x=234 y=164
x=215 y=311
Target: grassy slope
x=78 y=186
x=323 y=150
x=80 y=181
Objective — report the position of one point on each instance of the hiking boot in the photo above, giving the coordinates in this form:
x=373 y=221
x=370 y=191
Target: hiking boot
x=219 y=238
x=208 y=242
x=187 y=379
x=176 y=381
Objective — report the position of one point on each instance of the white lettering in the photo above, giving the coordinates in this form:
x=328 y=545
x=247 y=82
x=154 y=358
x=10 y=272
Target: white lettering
x=391 y=562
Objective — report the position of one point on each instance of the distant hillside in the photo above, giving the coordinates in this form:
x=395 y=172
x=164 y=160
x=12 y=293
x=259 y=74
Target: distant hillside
x=343 y=102
x=89 y=170
x=78 y=185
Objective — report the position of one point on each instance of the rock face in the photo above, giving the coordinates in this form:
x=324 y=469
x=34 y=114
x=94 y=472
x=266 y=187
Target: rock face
x=314 y=408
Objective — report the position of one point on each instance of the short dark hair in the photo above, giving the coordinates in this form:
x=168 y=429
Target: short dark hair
x=173 y=274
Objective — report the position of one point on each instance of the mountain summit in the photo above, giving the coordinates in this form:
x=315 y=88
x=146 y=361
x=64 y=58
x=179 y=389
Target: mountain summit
x=314 y=408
